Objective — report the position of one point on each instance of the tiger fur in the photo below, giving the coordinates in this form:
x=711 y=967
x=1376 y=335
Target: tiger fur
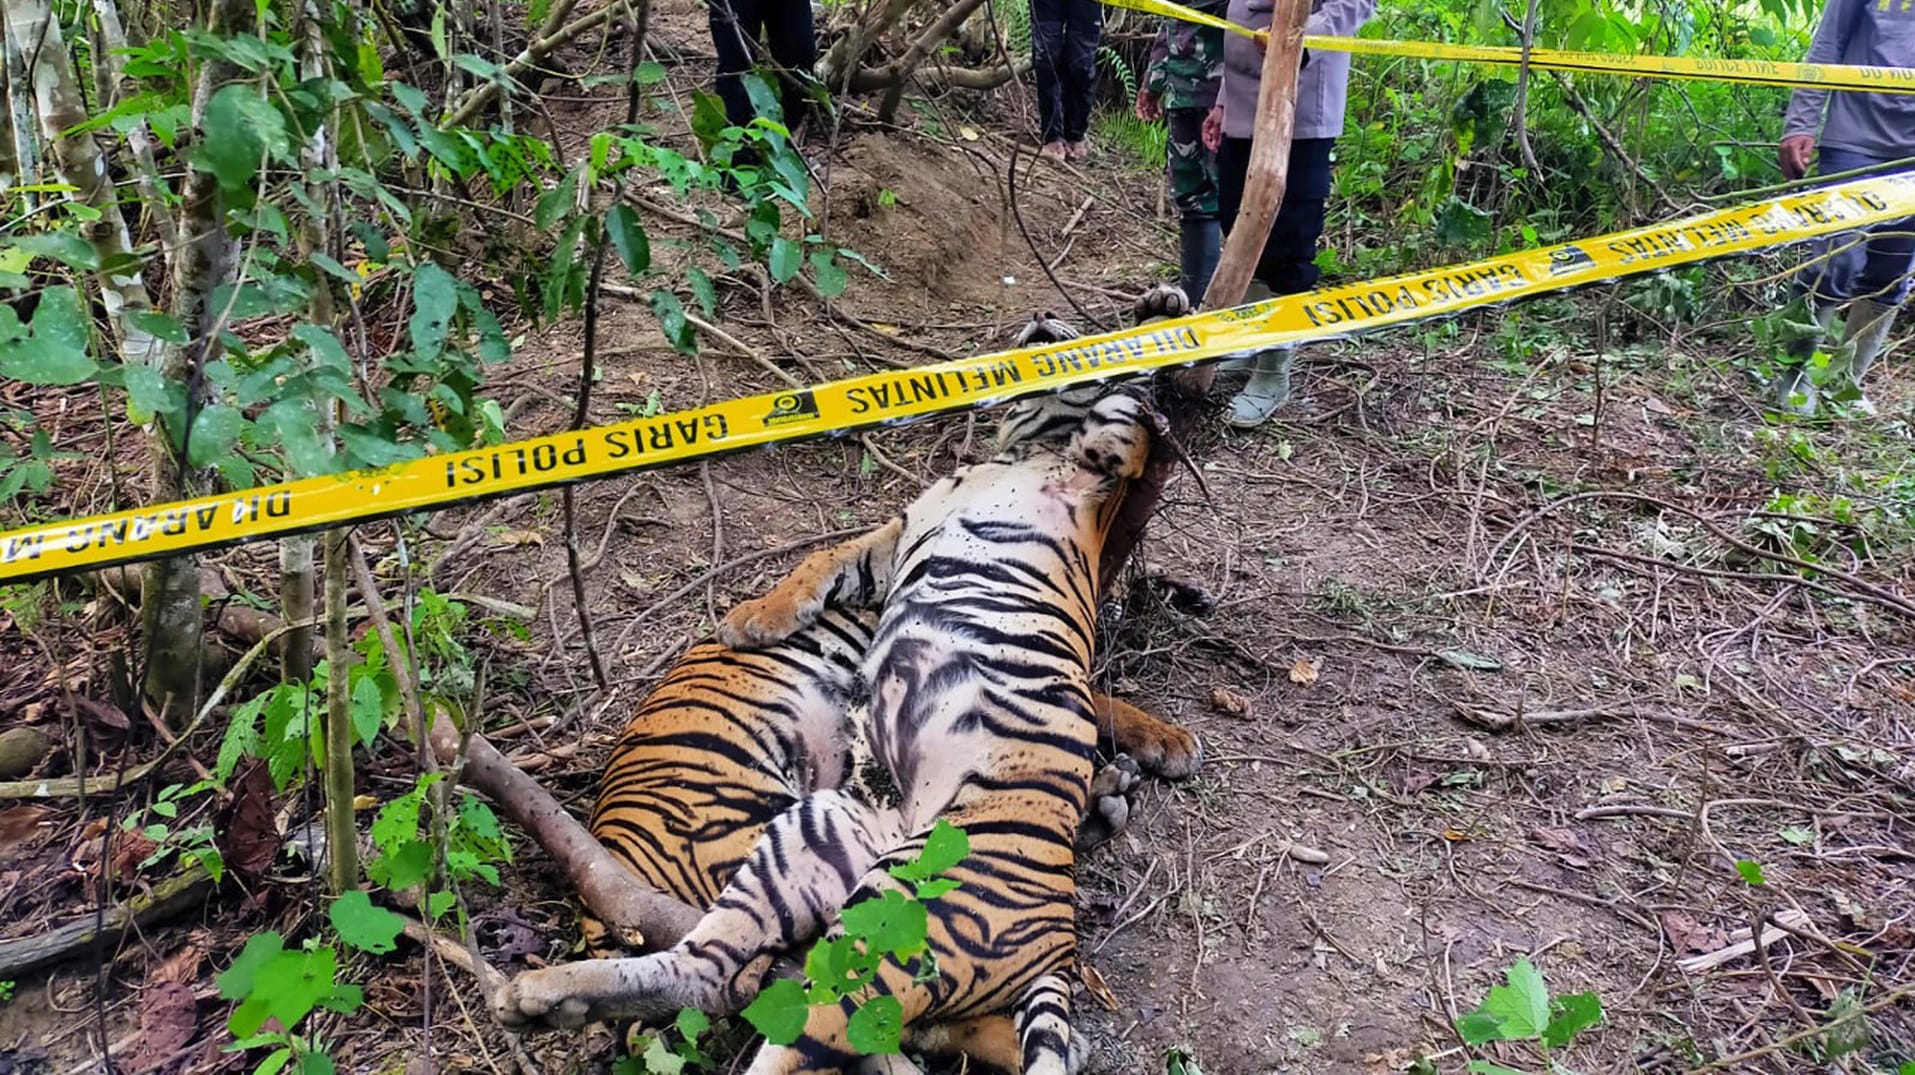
x=686 y=825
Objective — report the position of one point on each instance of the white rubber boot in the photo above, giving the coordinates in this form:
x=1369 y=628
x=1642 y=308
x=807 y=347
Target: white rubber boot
x=1862 y=340
x=1269 y=388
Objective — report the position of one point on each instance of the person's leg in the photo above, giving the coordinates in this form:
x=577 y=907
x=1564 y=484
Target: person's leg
x=1821 y=288
x=1287 y=266
x=734 y=36
x=1193 y=187
x=1880 y=288
x=794 y=48
x=1083 y=35
x=1047 y=58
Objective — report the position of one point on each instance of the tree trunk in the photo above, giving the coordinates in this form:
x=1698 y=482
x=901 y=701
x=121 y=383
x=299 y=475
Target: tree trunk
x=1181 y=394
x=170 y=615
x=342 y=835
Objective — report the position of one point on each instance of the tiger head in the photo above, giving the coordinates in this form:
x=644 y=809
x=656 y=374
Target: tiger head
x=1057 y=417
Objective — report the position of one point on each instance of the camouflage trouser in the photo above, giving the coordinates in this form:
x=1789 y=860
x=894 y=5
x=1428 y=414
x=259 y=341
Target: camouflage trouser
x=1193 y=169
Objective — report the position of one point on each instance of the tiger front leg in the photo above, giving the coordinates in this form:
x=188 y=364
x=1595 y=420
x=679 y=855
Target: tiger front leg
x=854 y=574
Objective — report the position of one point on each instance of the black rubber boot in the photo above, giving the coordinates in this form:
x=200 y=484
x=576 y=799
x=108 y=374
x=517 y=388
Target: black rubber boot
x=1200 y=243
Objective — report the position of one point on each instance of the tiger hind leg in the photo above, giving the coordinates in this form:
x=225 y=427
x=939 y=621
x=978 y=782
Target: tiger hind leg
x=1043 y=1017
x=852 y=574
x=791 y=887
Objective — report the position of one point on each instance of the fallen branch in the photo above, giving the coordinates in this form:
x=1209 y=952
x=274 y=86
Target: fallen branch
x=1787 y=921
x=603 y=884
x=171 y=896
x=1495 y=721
x=554 y=37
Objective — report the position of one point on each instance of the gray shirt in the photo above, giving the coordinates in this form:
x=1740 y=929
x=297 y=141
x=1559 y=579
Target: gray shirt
x=1323 y=84
x=1876 y=33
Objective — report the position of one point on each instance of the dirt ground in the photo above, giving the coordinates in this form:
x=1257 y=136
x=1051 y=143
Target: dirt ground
x=1488 y=662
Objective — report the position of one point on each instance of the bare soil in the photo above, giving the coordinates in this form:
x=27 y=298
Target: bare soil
x=1479 y=630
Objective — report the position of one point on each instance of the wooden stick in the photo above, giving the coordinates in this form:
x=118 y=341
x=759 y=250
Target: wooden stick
x=1787 y=920
x=605 y=885
x=1181 y=394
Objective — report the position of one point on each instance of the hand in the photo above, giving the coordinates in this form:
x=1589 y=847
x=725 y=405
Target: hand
x=1213 y=129
x=1796 y=152
x=1150 y=108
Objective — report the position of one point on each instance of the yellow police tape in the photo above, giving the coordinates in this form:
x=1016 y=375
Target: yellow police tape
x=1754 y=72
x=894 y=396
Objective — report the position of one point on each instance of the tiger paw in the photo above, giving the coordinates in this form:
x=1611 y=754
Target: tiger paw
x=765 y=621
x=1108 y=810
x=1115 y=441
x=1160 y=303
x=1166 y=751
x=541 y=998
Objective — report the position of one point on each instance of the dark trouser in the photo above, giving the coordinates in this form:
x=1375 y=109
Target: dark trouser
x=1064 y=39
x=1870 y=265
x=785 y=25
x=1288 y=264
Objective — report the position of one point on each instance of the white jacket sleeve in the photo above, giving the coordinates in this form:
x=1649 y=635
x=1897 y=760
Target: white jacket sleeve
x=1339 y=18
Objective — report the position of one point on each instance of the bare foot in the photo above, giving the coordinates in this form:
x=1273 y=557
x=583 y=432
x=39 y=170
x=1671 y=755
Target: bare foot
x=1056 y=151
x=1076 y=151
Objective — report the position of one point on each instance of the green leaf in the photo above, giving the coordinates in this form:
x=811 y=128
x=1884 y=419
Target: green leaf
x=1751 y=871
x=1573 y=1015
x=1486 y=1067
x=876 y=1026
x=628 y=238
x=316 y=1063
x=894 y=923
x=671 y=318
x=368 y=710
x=62 y=246
x=830 y=276
x=780 y=1012
x=325 y=347
x=1797 y=835
x=692 y=1024
x=274 y=1061
x=786 y=259
x=158 y=325
x=839 y=967
x=704 y=292
x=410 y=864
x=1462 y=224
x=370 y=449
x=1518 y=1011
x=236 y=981
x=435 y=298
x=660 y=1060
x=295 y=425
x=363 y=925
x=649 y=73
x=944 y=848
x=55 y=354
x=216 y=430
x=241 y=128
x=286 y=987
x=930 y=890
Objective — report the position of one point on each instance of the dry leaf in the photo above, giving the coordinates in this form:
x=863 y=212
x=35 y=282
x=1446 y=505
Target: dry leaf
x=518 y=537
x=1656 y=406
x=1566 y=843
x=168 y=1018
x=251 y=838
x=886 y=328
x=1095 y=986
x=1229 y=703
x=180 y=968
x=1455 y=836
x=1304 y=672
x=20 y=826
x=1688 y=935
x=968 y=133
